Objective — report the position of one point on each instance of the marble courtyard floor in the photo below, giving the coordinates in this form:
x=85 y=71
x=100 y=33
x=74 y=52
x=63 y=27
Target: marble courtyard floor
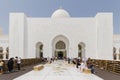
x=59 y=70
x=106 y=75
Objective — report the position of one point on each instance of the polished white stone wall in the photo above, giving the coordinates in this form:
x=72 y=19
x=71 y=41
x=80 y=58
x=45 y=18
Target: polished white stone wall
x=104 y=22
x=16 y=34
x=76 y=30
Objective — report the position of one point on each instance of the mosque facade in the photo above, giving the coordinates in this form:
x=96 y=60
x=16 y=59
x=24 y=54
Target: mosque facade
x=61 y=36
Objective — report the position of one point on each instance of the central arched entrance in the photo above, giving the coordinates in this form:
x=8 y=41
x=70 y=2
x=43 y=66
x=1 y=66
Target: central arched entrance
x=60 y=50
x=60 y=47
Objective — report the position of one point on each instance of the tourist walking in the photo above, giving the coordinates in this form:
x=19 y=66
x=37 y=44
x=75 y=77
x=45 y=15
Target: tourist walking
x=68 y=60
x=77 y=62
x=10 y=64
x=91 y=66
x=1 y=66
x=82 y=66
x=18 y=60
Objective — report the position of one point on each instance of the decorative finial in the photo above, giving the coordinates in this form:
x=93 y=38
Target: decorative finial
x=60 y=7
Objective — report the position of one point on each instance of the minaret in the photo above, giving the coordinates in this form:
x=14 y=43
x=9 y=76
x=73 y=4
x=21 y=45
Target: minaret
x=60 y=7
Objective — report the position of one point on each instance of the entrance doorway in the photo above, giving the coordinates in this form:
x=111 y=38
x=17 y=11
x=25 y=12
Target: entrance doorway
x=60 y=55
x=39 y=50
x=60 y=51
x=81 y=50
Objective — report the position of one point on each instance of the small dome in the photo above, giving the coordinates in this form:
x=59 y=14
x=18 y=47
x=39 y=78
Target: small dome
x=60 y=13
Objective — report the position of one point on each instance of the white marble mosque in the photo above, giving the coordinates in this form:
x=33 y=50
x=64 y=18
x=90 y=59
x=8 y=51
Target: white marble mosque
x=60 y=36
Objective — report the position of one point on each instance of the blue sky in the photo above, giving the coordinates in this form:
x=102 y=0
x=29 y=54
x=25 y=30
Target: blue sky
x=45 y=8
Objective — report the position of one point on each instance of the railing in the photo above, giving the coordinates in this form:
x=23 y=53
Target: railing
x=109 y=65
x=24 y=62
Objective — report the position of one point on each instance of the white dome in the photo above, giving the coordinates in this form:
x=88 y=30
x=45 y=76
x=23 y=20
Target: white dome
x=60 y=13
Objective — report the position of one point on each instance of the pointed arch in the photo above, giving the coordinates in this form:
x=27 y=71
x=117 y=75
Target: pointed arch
x=60 y=46
x=39 y=49
x=81 y=50
x=1 y=52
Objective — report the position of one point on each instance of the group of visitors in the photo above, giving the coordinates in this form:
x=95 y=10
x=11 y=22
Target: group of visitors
x=82 y=64
x=10 y=64
x=86 y=64
x=50 y=60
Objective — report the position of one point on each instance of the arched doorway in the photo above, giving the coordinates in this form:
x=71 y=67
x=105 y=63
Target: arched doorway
x=60 y=50
x=39 y=50
x=60 y=47
x=1 y=52
x=81 y=50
